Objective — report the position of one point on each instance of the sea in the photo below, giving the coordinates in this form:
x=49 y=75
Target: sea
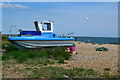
x=99 y=40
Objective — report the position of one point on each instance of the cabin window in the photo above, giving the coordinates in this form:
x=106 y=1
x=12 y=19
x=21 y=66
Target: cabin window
x=46 y=26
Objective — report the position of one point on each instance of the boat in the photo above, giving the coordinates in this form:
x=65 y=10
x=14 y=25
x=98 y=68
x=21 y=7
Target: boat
x=42 y=37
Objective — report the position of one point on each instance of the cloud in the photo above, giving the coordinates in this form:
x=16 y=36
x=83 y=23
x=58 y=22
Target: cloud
x=9 y=5
x=86 y=18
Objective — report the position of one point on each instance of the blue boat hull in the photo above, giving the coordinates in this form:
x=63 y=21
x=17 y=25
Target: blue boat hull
x=39 y=42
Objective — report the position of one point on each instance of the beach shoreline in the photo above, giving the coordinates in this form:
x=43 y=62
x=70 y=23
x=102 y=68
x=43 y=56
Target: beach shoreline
x=88 y=58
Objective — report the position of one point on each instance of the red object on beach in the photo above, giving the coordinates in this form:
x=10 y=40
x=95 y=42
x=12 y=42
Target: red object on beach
x=70 y=51
x=72 y=48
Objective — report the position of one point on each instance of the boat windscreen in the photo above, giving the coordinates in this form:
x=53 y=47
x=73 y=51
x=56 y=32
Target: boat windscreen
x=46 y=26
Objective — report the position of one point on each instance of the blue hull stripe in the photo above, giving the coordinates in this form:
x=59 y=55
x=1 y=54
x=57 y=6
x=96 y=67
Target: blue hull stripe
x=37 y=38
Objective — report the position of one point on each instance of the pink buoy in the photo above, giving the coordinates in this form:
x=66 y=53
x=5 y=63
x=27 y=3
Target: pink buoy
x=73 y=48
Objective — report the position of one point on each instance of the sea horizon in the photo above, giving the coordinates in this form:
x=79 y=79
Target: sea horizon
x=99 y=40
x=99 y=36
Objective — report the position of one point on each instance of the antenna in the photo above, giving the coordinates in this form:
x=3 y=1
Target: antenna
x=11 y=28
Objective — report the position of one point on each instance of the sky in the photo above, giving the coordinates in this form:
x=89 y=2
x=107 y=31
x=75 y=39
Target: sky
x=60 y=0
x=94 y=19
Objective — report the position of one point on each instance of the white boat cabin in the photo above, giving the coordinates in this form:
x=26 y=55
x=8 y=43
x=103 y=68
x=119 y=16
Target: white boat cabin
x=44 y=27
